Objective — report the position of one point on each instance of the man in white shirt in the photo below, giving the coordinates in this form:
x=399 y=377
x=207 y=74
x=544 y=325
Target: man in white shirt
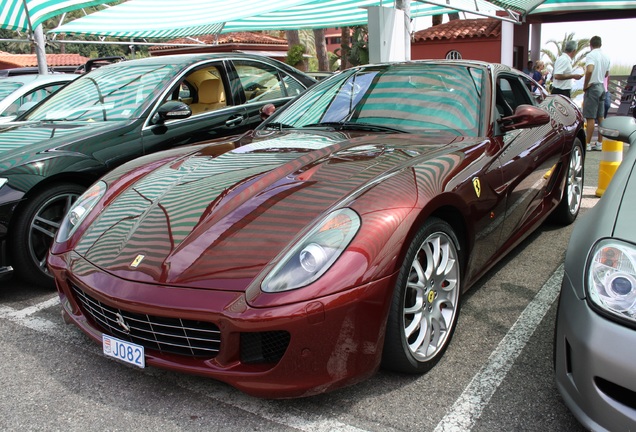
x=563 y=74
x=597 y=66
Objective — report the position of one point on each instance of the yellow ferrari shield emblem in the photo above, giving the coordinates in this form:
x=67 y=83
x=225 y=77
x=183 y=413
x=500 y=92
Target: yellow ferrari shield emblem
x=138 y=259
x=477 y=186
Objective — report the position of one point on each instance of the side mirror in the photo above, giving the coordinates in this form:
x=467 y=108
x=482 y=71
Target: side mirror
x=619 y=128
x=525 y=116
x=172 y=110
x=267 y=110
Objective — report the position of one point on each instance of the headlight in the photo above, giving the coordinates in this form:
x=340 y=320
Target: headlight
x=315 y=253
x=3 y=181
x=611 y=278
x=80 y=210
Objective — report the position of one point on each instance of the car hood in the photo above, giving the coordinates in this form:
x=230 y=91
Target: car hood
x=215 y=222
x=19 y=138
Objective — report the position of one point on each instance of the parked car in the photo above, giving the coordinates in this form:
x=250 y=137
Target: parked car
x=111 y=115
x=338 y=236
x=596 y=320
x=18 y=92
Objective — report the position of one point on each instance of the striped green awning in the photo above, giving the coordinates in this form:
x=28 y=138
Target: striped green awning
x=584 y=5
x=338 y=13
x=24 y=15
x=170 y=19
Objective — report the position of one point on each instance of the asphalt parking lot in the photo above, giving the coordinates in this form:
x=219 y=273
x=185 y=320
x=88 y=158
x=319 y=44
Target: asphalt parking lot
x=496 y=375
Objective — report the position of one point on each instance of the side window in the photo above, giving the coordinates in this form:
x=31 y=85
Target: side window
x=35 y=96
x=260 y=82
x=41 y=93
x=292 y=86
x=202 y=89
x=511 y=93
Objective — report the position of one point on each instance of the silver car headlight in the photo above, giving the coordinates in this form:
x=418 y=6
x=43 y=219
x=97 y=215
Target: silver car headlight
x=314 y=254
x=80 y=210
x=3 y=181
x=611 y=278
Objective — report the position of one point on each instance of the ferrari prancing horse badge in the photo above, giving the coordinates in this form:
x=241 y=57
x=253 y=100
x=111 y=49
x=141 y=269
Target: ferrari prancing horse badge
x=477 y=186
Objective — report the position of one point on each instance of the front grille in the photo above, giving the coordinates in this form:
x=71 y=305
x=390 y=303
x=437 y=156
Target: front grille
x=168 y=335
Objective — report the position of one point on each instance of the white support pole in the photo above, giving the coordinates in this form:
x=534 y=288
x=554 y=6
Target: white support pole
x=507 y=43
x=386 y=35
x=535 y=42
x=40 y=50
x=405 y=5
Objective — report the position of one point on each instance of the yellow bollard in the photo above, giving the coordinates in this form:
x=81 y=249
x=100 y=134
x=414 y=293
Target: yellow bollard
x=610 y=160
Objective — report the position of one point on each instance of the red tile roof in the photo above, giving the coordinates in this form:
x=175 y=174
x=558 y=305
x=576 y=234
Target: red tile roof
x=8 y=60
x=461 y=29
x=226 y=39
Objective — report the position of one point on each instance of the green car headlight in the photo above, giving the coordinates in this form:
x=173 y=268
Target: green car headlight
x=80 y=210
x=611 y=278
x=315 y=253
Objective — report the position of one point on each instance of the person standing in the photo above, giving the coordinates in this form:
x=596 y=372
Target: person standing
x=563 y=74
x=528 y=69
x=597 y=66
x=537 y=75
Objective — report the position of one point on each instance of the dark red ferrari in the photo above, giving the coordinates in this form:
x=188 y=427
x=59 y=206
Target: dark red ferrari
x=336 y=238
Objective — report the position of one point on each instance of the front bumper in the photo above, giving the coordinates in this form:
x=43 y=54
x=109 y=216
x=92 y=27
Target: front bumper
x=333 y=341
x=594 y=365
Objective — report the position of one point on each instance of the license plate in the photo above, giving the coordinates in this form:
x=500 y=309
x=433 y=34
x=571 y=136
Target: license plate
x=124 y=351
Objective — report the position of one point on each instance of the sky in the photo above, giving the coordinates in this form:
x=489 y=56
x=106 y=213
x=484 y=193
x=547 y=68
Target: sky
x=617 y=37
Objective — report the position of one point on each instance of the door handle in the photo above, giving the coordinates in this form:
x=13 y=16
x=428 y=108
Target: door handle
x=235 y=121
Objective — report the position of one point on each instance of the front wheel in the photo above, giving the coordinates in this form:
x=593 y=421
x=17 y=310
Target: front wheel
x=425 y=304
x=35 y=228
x=568 y=209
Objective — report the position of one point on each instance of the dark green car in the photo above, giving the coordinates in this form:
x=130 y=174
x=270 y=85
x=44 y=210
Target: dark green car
x=110 y=116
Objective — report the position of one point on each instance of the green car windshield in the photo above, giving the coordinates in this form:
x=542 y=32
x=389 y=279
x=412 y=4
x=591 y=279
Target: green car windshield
x=406 y=97
x=111 y=93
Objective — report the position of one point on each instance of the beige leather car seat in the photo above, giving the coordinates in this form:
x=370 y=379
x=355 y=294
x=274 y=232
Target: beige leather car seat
x=211 y=97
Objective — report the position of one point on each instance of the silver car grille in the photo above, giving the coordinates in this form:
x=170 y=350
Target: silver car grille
x=167 y=335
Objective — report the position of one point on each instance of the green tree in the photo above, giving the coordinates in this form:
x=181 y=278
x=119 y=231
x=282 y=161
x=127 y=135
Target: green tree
x=579 y=55
x=54 y=45
x=578 y=61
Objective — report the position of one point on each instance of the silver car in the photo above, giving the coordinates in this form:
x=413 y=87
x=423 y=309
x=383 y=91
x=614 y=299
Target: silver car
x=595 y=335
x=20 y=92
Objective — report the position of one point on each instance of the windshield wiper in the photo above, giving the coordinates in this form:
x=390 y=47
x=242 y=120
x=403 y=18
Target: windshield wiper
x=277 y=125
x=356 y=126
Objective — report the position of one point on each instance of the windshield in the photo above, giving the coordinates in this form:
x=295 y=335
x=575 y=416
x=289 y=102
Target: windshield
x=6 y=88
x=415 y=98
x=110 y=93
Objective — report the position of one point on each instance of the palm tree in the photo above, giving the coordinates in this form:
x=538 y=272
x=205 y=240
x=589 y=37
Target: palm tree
x=579 y=56
x=578 y=61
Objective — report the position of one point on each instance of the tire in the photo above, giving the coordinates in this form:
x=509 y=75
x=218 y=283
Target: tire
x=425 y=304
x=568 y=209
x=35 y=228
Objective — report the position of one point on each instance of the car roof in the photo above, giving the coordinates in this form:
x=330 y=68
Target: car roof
x=36 y=78
x=187 y=59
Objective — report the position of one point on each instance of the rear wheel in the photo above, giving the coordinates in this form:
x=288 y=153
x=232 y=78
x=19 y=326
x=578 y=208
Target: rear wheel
x=35 y=228
x=425 y=304
x=568 y=209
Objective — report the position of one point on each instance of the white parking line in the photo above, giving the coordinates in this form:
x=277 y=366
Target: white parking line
x=24 y=318
x=263 y=408
x=469 y=406
x=461 y=418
